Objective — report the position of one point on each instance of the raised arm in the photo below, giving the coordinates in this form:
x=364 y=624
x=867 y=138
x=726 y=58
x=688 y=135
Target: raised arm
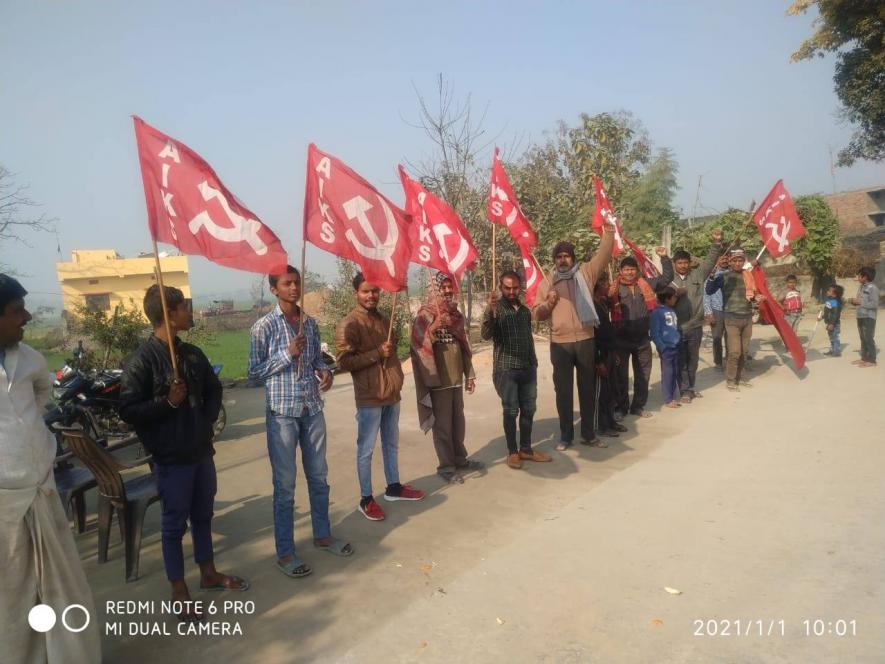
x=602 y=257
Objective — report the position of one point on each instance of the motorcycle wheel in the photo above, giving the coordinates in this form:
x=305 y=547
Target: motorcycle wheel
x=220 y=422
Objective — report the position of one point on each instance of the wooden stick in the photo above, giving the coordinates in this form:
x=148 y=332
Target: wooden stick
x=392 y=315
x=494 y=257
x=301 y=299
x=759 y=255
x=541 y=270
x=159 y=275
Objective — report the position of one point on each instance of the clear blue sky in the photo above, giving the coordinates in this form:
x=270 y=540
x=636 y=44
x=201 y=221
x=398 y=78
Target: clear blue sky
x=249 y=85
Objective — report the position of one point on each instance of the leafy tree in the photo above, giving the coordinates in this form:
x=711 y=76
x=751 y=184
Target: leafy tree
x=648 y=203
x=116 y=335
x=733 y=222
x=817 y=248
x=855 y=31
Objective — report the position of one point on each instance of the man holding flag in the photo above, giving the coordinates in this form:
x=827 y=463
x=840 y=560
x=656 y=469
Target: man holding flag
x=566 y=300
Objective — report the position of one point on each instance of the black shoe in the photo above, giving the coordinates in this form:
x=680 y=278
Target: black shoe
x=618 y=427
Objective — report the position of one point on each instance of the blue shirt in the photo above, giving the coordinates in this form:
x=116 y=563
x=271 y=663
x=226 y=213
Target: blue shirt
x=664 y=328
x=287 y=392
x=713 y=302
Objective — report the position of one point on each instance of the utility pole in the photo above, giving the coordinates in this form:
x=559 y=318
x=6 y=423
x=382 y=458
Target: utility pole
x=697 y=200
x=832 y=168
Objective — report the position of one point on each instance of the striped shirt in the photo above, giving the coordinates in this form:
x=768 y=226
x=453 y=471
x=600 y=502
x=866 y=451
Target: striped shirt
x=511 y=331
x=286 y=391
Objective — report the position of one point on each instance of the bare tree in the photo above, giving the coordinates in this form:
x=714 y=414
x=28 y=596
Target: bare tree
x=15 y=206
x=452 y=170
x=257 y=291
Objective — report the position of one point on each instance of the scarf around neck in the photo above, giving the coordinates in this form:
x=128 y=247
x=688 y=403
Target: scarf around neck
x=614 y=293
x=583 y=296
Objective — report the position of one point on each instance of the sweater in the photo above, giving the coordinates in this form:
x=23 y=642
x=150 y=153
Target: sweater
x=665 y=328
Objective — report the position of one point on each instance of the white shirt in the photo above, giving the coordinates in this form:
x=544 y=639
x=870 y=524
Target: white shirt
x=27 y=448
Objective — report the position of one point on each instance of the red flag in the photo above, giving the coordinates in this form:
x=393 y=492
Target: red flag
x=649 y=270
x=532 y=274
x=439 y=238
x=603 y=214
x=504 y=208
x=772 y=313
x=778 y=222
x=348 y=217
x=190 y=208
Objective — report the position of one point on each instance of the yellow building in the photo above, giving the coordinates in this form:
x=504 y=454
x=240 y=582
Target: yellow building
x=101 y=279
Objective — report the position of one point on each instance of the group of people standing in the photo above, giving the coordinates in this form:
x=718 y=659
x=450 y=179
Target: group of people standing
x=600 y=328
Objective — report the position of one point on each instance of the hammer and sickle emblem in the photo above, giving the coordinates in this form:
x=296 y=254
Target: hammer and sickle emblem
x=356 y=209
x=455 y=262
x=780 y=237
x=243 y=230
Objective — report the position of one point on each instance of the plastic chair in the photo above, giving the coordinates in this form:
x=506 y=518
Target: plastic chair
x=71 y=484
x=129 y=499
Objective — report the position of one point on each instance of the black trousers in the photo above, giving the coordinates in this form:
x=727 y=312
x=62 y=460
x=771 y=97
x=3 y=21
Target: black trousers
x=518 y=389
x=866 y=328
x=568 y=359
x=639 y=353
x=689 y=353
x=605 y=404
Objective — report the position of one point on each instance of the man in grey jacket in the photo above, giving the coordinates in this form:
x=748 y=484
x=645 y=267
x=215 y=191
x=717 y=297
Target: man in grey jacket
x=689 y=285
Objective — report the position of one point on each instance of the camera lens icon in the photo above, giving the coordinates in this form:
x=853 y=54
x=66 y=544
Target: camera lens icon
x=42 y=618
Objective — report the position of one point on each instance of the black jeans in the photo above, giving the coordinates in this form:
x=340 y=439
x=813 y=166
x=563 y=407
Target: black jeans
x=866 y=328
x=518 y=389
x=689 y=352
x=640 y=354
x=566 y=359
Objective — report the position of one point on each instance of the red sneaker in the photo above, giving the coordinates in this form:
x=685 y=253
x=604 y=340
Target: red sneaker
x=372 y=511
x=403 y=492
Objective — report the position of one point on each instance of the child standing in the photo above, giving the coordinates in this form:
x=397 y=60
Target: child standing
x=666 y=335
x=867 y=303
x=832 y=315
x=606 y=424
x=791 y=302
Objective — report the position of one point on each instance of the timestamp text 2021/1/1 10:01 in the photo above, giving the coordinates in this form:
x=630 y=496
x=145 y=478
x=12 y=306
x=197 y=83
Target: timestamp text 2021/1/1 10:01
x=760 y=627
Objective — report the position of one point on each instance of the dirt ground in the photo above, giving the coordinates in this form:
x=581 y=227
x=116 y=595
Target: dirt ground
x=762 y=510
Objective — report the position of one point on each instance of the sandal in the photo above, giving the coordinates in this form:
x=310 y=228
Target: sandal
x=451 y=477
x=190 y=616
x=294 y=569
x=228 y=583
x=562 y=447
x=471 y=464
x=338 y=547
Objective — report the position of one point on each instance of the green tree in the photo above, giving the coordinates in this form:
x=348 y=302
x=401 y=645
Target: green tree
x=648 y=203
x=855 y=31
x=817 y=248
x=116 y=335
x=733 y=223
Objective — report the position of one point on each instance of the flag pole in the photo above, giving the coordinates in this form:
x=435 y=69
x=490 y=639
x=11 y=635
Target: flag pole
x=759 y=255
x=494 y=257
x=159 y=275
x=301 y=298
x=541 y=270
x=392 y=315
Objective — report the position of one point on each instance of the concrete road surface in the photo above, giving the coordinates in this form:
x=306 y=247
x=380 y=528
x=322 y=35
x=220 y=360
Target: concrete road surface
x=763 y=512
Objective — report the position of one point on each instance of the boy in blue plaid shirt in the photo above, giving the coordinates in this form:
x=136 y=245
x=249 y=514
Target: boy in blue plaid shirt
x=284 y=353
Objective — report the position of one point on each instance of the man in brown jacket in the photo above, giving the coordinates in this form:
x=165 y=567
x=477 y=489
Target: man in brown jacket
x=364 y=351
x=567 y=301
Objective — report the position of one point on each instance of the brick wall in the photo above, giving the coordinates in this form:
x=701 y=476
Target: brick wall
x=852 y=209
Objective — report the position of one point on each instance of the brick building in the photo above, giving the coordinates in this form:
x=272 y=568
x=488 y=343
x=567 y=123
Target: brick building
x=859 y=212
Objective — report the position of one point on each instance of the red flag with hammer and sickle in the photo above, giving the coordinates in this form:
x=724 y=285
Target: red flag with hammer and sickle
x=190 y=208
x=439 y=238
x=348 y=217
x=778 y=222
x=504 y=208
x=604 y=214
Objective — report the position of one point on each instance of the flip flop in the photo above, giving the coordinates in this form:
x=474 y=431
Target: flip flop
x=222 y=585
x=338 y=548
x=291 y=568
x=562 y=447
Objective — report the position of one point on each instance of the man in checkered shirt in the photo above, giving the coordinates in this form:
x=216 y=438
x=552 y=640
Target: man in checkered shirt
x=284 y=353
x=507 y=322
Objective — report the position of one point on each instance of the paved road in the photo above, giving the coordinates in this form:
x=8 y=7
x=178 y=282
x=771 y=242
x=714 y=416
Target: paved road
x=765 y=507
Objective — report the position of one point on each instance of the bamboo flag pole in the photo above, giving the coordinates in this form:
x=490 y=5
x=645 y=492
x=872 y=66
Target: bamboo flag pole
x=301 y=297
x=392 y=316
x=159 y=274
x=494 y=258
x=541 y=270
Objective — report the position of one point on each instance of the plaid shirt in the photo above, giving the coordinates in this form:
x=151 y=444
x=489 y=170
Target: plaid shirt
x=286 y=391
x=511 y=331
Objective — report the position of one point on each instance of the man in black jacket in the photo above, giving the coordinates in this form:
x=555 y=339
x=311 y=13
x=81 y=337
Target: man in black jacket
x=173 y=417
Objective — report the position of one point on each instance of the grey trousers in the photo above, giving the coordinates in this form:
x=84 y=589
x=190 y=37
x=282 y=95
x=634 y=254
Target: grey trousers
x=449 y=428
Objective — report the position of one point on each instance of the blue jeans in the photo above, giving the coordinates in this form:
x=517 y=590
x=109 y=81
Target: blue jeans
x=284 y=434
x=187 y=493
x=518 y=389
x=835 y=346
x=369 y=422
x=669 y=373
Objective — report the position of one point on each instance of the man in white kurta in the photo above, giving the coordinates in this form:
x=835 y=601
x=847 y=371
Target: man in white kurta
x=39 y=562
